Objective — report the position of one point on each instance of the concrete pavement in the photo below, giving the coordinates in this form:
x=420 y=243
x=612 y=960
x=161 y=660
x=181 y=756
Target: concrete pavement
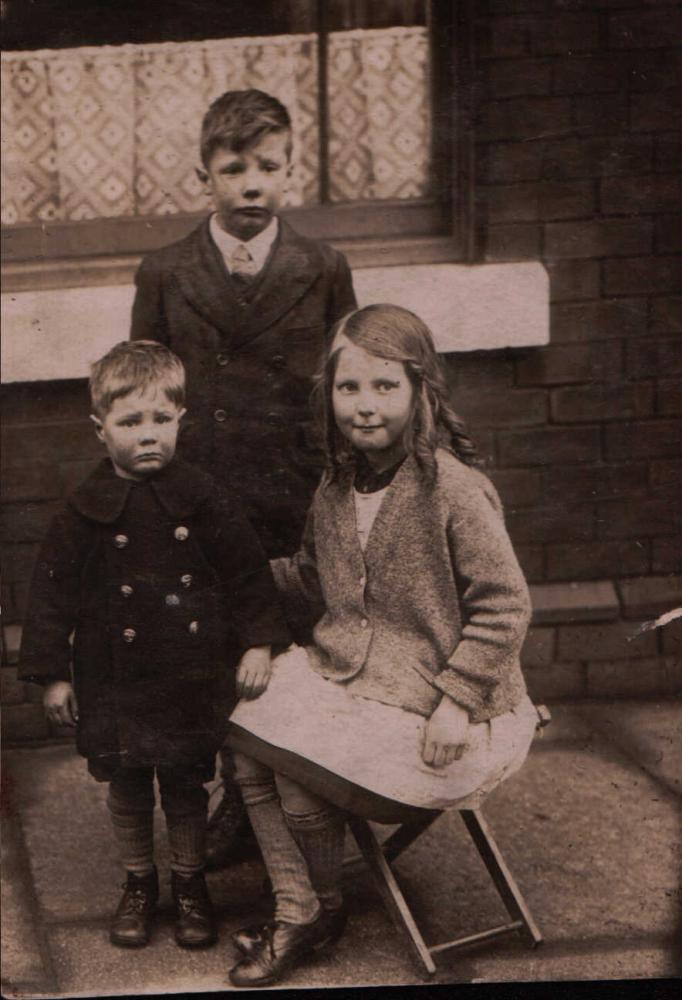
x=590 y=828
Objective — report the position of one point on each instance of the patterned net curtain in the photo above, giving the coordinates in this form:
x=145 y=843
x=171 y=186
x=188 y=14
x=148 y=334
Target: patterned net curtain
x=108 y=131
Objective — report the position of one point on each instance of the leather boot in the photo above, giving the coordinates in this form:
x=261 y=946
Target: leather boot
x=195 y=924
x=282 y=947
x=131 y=924
x=229 y=837
x=249 y=939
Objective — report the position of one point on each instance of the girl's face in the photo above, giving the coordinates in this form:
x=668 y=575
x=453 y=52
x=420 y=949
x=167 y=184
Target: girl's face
x=372 y=400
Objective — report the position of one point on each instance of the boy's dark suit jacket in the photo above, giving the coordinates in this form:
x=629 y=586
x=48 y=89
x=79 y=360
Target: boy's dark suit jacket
x=249 y=365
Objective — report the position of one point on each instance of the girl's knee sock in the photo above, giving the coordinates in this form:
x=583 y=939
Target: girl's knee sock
x=187 y=842
x=295 y=899
x=321 y=837
x=134 y=833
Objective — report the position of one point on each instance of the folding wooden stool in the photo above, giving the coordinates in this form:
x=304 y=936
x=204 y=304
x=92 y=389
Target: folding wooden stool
x=379 y=857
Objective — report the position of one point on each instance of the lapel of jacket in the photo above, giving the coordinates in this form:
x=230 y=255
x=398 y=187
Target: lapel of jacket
x=293 y=267
x=400 y=505
x=205 y=283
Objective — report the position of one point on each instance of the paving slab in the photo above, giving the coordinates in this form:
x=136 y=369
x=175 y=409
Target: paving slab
x=590 y=835
x=647 y=731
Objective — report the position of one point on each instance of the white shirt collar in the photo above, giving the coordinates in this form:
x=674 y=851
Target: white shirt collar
x=259 y=247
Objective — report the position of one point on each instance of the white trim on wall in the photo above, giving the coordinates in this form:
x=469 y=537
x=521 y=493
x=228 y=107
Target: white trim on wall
x=57 y=333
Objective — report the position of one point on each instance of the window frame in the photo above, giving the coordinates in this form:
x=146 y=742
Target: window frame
x=106 y=251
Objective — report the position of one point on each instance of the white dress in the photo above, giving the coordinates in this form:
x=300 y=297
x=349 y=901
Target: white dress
x=342 y=744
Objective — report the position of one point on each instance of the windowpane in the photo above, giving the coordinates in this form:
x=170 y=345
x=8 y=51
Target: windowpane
x=103 y=102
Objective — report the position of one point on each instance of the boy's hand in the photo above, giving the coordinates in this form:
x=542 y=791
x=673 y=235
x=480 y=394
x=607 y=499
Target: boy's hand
x=59 y=702
x=445 y=734
x=253 y=672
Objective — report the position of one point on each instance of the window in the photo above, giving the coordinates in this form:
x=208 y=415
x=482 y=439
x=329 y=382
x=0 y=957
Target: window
x=103 y=103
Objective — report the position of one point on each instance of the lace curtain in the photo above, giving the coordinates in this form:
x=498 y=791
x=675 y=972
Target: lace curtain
x=113 y=131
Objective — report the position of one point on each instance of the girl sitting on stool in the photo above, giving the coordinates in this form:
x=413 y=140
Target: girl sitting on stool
x=411 y=697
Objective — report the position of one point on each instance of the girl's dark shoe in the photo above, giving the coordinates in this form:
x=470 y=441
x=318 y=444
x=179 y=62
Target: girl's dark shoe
x=194 y=921
x=282 y=946
x=132 y=922
x=249 y=939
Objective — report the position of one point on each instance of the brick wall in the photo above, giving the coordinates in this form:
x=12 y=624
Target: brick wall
x=578 y=160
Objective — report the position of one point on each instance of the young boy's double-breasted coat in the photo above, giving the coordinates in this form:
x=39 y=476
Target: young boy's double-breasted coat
x=249 y=360
x=163 y=585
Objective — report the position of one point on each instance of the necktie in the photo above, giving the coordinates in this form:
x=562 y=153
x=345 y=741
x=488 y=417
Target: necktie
x=242 y=264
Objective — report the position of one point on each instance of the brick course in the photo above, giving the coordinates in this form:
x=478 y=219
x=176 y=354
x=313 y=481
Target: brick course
x=578 y=147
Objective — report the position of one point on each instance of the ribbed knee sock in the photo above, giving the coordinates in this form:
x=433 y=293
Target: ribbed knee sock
x=295 y=899
x=320 y=836
x=187 y=842
x=134 y=833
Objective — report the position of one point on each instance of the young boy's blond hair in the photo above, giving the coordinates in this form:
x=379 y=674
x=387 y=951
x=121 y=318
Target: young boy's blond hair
x=134 y=366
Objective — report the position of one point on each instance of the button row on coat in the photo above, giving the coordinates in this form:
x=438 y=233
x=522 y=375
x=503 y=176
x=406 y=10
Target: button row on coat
x=130 y=634
x=181 y=534
x=278 y=361
x=186 y=580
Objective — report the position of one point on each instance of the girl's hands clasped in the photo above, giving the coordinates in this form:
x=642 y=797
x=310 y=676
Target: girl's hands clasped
x=445 y=735
x=59 y=702
x=253 y=672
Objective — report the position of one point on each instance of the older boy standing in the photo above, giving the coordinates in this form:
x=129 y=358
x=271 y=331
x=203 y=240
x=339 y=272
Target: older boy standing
x=246 y=302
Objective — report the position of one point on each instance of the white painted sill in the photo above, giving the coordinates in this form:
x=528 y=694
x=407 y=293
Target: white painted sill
x=56 y=333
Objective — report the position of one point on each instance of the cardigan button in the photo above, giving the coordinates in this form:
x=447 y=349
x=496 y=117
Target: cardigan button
x=181 y=533
x=220 y=416
x=223 y=359
x=362 y=580
x=364 y=623
x=129 y=634
x=186 y=579
x=120 y=541
x=193 y=628
x=278 y=362
x=172 y=600
x=126 y=590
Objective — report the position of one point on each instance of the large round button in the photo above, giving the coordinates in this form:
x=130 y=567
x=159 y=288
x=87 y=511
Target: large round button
x=220 y=416
x=172 y=600
x=181 y=533
x=126 y=590
x=129 y=634
x=186 y=579
x=193 y=628
x=120 y=541
x=223 y=359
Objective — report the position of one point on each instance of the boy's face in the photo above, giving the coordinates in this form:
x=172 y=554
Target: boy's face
x=248 y=187
x=140 y=432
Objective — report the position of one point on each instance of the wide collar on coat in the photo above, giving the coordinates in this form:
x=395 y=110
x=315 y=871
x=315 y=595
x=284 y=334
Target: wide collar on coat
x=180 y=488
x=402 y=502
x=294 y=265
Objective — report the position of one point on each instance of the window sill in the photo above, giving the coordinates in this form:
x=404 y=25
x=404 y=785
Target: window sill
x=58 y=317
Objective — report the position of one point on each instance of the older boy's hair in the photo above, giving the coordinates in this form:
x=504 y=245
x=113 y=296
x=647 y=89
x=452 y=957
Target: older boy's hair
x=133 y=366
x=239 y=118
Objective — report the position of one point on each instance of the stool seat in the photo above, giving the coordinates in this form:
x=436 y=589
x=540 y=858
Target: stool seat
x=379 y=858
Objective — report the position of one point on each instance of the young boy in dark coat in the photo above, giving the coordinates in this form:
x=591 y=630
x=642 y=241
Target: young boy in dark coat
x=246 y=302
x=167 y=590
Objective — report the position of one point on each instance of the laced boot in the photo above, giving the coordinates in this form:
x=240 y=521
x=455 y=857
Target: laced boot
x=131 y=924
x=194 y=922
x=229 y=837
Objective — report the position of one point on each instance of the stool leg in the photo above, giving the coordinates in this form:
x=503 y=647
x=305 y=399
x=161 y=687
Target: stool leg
x=405 y=835
x=505 y=883
x=390 y=891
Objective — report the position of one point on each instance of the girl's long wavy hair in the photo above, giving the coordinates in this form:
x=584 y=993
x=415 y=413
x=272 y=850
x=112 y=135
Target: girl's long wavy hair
x=395 y=334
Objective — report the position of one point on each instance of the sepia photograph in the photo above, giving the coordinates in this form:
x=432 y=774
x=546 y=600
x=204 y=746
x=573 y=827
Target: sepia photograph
x=341 y=533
